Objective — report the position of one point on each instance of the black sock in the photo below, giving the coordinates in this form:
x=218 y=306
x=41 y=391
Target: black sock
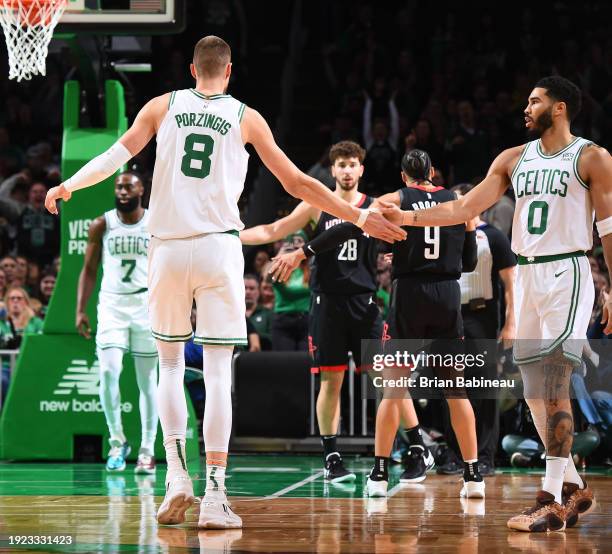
x=380 y=471
x=470 y=471
x=329 y=445
x=414 y=437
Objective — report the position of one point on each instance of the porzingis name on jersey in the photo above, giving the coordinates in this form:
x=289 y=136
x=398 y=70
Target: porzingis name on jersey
x=204 y=120
x=131 y=245
x=541 y=181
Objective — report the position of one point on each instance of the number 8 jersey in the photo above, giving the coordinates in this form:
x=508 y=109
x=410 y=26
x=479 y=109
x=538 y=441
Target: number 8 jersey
x=200 y=166
x=554 y=213
x=124 y=255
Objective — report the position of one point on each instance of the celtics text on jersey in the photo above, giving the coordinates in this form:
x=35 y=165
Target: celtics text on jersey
x=124 y=254
x=554 y=212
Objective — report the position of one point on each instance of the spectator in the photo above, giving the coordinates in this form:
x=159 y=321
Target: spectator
x=422 y=138
x=33 y=278
x=468 y=145
x=21 y=272
x=8 y=264
x=47 y=285
x=291 y=306
x=260 y=261
x=3 y=284
x=321 y=170
x=266 y=293
x=257 y=315
x=38 y=231
x=380 y=139
x=21 y=319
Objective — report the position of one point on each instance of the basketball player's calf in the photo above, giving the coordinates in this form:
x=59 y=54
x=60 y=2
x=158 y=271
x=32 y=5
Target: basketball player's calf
x=564 y=495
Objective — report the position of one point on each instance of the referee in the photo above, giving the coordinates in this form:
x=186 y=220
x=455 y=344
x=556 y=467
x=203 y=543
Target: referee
x=481 y=305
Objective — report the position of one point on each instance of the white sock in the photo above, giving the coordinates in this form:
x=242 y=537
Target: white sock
x=553 y=480
x=217 y=425
x=571 y=473
x=175 y=457
x=172 y=406
x=215 y=481
x=146 y=377
x=111 y=364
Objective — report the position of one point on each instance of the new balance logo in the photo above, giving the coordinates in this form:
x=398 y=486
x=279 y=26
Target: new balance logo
x=80 y=378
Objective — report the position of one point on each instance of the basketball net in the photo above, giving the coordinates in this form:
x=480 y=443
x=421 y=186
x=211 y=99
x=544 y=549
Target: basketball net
x=28 y=27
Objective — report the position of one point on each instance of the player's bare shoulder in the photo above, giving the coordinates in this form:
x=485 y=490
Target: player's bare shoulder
x=97 y=228
x=507 y=160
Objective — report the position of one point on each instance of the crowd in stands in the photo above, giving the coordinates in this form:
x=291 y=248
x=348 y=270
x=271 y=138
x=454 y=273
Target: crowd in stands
x=393 y=76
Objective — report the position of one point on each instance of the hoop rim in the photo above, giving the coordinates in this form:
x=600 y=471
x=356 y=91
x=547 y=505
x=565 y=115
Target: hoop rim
x=13 y=4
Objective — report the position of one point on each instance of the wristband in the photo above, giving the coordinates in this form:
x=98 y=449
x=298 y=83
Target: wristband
x=363 y=216
x=604 y=227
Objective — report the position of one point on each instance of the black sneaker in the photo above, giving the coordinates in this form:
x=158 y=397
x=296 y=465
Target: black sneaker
x=452 y=467
x=335 y=471
x=416 y=464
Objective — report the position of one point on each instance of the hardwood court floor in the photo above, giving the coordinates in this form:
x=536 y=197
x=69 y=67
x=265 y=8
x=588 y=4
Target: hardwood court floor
x=286 y=507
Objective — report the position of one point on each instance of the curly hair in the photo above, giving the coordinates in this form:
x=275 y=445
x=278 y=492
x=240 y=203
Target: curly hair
x=346 y=149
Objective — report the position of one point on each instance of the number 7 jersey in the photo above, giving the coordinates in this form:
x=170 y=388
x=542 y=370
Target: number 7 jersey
x=125 y=255
x=200 y=166
x=554 y=212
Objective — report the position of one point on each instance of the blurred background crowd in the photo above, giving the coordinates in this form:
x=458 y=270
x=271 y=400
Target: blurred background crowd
x=392 y=76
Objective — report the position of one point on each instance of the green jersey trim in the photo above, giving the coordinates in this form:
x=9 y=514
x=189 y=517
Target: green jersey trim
x=548 y=157
x=213 y=97
x=171 y=338
x=171 y=100
x=233 y=341
x=518 y=164
x=569 y=324
x=241 y=111
x=576 y=157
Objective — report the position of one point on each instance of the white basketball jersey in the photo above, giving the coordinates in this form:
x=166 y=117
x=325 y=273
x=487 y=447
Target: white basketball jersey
x=124 y=254
x=554 y=213
x=200 y=166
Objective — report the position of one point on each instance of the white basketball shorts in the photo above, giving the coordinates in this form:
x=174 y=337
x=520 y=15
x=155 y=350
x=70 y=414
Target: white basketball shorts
x=123 y=322
x=208 y=268
x=553 y=305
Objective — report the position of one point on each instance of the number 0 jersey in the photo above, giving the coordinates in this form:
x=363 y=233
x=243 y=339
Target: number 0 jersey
x=348 y=269
x=124 y=254
x=200 y=166
x=554 y=213
x=437 y=251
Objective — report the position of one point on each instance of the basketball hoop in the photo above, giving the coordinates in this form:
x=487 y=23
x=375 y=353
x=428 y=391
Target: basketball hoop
x=28 y=27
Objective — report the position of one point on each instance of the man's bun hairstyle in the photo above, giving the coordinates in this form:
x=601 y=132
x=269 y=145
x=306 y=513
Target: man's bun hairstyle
x=416 y=164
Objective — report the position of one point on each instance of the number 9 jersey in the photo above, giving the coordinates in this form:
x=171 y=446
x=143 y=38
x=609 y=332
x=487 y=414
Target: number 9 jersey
x=200 y=166
x=434 y=250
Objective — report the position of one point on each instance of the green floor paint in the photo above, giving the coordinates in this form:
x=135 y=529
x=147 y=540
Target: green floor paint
x=248 y=476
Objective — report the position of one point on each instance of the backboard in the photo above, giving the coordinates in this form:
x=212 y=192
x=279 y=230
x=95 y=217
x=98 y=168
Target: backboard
x=130 y=17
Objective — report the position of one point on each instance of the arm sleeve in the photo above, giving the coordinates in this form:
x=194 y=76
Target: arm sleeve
x=331 y=238
x=100 y=168
x=469 y=257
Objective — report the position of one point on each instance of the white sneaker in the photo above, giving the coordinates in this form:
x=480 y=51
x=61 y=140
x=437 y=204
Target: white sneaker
x=473 y=489
x=179 y=498
x=377 y=489
x=215 y=513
